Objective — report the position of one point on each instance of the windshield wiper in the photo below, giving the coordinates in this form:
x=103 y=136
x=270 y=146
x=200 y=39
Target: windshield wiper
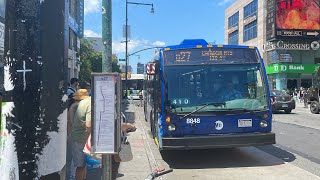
x=205 y=105
x=244 y=110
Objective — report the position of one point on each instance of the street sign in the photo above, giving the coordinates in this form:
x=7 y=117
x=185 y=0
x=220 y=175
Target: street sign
x=122 y=60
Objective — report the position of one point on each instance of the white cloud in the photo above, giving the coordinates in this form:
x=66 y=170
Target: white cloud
x=119 y=47
x=223 y=2
x=90 y=33
x=158 y=43
x=91 y=6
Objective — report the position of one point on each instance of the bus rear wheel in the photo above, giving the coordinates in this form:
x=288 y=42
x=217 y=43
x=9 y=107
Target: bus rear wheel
x=314 y=107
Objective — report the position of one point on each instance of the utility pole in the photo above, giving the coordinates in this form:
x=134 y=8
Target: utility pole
x=107 y=67
x=126 y=26
x=126 y=82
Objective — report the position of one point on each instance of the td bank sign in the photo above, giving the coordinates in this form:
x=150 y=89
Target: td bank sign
x=293 y=68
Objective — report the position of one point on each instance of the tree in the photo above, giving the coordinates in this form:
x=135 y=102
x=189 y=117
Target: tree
x=87 y=53
x=91 y=61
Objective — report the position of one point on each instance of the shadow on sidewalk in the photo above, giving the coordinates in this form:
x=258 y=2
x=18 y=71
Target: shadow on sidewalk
x=226 y=158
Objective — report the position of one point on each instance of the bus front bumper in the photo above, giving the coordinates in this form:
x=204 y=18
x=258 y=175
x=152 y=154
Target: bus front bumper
x=217 y=141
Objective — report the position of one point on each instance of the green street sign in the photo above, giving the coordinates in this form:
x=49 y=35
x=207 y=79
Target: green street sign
x=122 y=59
x=293 y=68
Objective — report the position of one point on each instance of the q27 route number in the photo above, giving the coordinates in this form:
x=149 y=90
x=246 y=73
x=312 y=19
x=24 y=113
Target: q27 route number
x=193 y=120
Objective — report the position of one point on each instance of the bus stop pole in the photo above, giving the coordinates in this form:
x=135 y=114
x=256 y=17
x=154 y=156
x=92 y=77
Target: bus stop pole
x=107 y=67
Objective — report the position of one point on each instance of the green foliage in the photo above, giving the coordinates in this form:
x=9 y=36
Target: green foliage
x=115 y=66
x=91 y=61
x=86 y=54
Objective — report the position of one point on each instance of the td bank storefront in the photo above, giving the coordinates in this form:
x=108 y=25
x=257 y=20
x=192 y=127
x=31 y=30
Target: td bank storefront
x=290 y=76
x=292 y=64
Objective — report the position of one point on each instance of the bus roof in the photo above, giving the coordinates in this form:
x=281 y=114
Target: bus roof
x=201 y=43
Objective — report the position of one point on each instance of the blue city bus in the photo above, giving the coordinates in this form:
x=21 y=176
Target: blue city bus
x=208 y=96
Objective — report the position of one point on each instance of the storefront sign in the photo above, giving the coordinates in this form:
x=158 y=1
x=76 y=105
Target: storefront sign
x=271 y=19
x=293 y=68
x=302 y=46
x=74 y=25
x=81 y=18
x=285 y=58
x=293 y=19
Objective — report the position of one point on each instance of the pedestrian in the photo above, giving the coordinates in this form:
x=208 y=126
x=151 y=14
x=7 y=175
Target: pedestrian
x=305 y=98
x=140 y=98
x=74 y=83
x=87 y=86
x=81 y=129
x=78 y=96
x=295 y=94
x=301 y=95
x=131 y=95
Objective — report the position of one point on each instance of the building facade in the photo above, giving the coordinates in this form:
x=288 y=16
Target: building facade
x=245 y=23
x=140 y=68
x=123 y=68
x=288 y=41
x=75 y=29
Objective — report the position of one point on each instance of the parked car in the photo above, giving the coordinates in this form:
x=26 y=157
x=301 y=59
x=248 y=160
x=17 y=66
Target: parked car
x=282 y=101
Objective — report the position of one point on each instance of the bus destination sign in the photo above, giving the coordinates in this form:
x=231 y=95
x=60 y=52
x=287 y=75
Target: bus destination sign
x=210 y=56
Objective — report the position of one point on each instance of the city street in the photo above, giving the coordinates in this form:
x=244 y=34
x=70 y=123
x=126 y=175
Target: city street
x=299 y=134
x=295 y=156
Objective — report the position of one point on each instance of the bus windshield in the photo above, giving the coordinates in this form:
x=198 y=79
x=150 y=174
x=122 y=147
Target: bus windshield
x=233 y=86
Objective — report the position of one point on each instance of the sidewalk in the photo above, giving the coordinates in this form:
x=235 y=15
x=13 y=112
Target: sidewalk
x=141 y=165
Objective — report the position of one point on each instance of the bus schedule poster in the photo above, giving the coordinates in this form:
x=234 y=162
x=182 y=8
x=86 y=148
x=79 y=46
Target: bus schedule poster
x=105 y=113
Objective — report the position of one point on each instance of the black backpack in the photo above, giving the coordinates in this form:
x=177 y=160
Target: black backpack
x=70 y=98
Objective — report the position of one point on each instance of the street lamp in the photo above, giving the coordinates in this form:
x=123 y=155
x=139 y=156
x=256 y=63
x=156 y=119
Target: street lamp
x=152 y=12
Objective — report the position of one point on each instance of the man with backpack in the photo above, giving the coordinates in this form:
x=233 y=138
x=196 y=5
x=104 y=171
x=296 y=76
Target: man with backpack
x=74 y=83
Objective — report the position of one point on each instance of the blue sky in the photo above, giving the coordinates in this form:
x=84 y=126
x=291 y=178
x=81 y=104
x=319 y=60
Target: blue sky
x=173 y=21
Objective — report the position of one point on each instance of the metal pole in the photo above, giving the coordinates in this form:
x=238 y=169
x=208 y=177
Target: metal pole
x=126 y=82
x=107 y=67
x=106 y=36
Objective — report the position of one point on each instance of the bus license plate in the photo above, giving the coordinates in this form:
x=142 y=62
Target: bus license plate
x=245 y=123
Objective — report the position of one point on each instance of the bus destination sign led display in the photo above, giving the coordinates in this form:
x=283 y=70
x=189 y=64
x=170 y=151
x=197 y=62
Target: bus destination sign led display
x=210 y=56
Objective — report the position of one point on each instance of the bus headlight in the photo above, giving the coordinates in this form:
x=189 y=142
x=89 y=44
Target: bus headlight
x=171 y=127
x=263 y=124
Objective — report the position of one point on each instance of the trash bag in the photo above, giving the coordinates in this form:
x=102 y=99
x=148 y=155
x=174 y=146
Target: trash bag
x=93 y=163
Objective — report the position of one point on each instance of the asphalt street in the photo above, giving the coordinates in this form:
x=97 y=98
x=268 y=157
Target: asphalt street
x=299 y=134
